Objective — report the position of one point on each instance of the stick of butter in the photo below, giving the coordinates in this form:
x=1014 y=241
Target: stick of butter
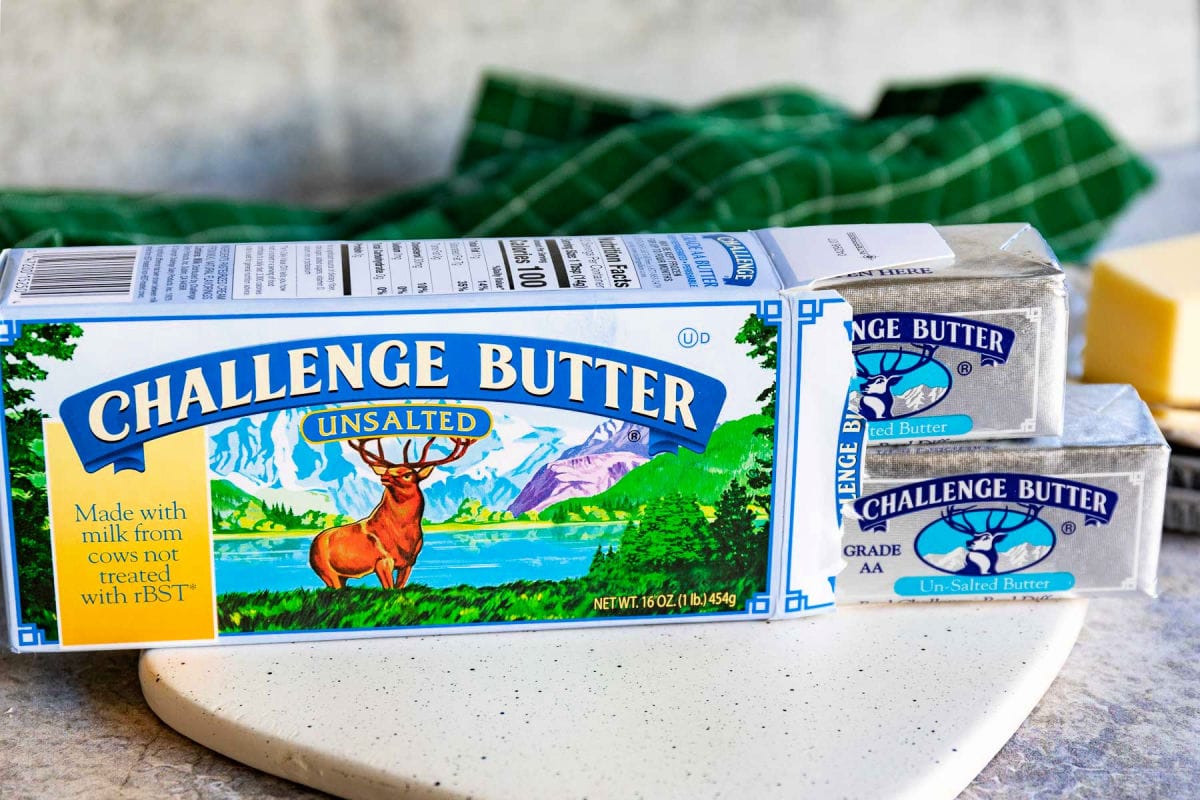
x=1144 y=321
x=1023 y=518
x=959 y=332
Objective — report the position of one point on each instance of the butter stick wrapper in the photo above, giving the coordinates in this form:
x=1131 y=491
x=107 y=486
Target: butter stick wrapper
x=296 y=441
x=1076 y=515
x=958 y=334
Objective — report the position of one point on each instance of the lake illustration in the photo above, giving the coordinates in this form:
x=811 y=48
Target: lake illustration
x=480 y=556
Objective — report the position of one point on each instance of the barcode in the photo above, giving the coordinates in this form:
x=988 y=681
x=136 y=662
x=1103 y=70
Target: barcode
x=92 y=272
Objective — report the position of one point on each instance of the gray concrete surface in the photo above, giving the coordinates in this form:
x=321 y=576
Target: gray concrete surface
x=1122 y=720
x=321 y=100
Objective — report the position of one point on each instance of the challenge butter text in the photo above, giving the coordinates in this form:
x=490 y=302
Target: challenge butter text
x=330 y=369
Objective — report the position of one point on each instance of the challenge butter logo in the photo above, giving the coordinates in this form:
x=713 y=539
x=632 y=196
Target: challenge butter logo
x=109 y=423
x=989 y=523
x=893 y=382
x=745 y=268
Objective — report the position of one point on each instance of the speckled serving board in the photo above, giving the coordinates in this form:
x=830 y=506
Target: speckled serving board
x=872 y=702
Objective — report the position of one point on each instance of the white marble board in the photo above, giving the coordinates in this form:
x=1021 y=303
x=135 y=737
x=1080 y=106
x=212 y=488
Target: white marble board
x=904 y=701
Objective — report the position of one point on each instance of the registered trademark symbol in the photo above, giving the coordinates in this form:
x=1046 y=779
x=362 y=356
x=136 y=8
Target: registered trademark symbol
x=964 y=368
x=635 y=435
x=1068 y=528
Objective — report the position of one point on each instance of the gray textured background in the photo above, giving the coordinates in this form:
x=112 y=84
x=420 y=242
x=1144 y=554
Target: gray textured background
x=320 y=100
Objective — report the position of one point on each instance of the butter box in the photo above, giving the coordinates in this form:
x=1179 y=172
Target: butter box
x=1080 y=514
x=960 y=332
x=266 y=442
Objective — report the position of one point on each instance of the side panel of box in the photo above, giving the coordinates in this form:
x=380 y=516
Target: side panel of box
x=824 y=458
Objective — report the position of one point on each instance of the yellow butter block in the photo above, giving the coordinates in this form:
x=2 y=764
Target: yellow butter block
x=1180 y=425
x=1143 y=322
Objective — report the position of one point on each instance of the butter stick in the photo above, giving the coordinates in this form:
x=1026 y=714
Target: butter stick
x=972 y=348
x=1080 y=514
x=1143 y=322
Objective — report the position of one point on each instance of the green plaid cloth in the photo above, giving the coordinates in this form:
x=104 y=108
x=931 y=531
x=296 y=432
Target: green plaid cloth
x=544 y=159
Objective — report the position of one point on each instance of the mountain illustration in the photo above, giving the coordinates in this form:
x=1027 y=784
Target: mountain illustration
x=264 y=455
x=953 y=561
x=919 y=397
x=1021 y=556
x=496 y=468
x=607 y=455
x=731 y=452
x=908 y=402
x=265 y=452
x=613 y=436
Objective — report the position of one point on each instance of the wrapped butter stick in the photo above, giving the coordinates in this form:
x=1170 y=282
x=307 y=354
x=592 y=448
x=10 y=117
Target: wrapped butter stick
x=959 y=332
x=1080 y=514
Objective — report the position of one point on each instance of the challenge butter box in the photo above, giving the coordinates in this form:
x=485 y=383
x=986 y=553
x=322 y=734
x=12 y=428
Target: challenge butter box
x=263 y=442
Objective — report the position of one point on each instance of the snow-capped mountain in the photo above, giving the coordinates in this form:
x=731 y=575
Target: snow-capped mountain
x=908 y=402
x=496 y=468
x=583 y=476
x=919 y=397
x=612 y=436
x=608 y=453
x=953 y=561
x=1021 y=556
x=266 y=452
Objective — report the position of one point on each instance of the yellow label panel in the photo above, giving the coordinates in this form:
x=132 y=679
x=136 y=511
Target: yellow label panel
x=132 y=550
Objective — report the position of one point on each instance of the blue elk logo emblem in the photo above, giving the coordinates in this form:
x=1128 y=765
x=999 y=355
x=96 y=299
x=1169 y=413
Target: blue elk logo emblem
x=884 y=377
x=985 y=541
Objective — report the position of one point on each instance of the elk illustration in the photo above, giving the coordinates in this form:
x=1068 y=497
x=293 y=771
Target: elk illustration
x=981 y=548
x=875 y=400
x=388 y=540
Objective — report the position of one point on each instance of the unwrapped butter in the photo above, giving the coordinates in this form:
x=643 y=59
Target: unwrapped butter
x=1143 y=323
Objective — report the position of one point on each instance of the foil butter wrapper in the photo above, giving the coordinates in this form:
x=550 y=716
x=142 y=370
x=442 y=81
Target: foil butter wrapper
x=973 y=347
x=1070 y=515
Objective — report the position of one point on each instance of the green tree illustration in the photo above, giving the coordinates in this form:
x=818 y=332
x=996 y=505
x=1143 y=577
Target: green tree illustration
x=740 y=545
x=763 y=341
x=22 y=363
x=633 y=553
x=676 y=533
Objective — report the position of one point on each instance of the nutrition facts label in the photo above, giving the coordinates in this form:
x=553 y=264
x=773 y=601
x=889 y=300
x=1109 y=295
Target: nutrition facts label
x=276 y=271
x=447 y=266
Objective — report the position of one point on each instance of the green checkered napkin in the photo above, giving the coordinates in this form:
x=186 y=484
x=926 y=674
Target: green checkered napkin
x=542 y=159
